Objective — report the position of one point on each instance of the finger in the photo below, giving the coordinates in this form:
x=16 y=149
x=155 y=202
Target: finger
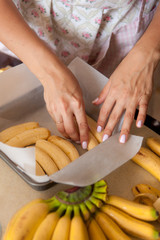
x=70 y=127
x=113 y=120
x=127 y=122
x=60 y=127
x=83 y=127
x=102 y=95
x=104 y=113
x=143 y=105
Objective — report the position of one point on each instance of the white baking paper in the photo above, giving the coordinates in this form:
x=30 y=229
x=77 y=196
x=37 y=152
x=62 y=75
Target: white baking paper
x=93 y=165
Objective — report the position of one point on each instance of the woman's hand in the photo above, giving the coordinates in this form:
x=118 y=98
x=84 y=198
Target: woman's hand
x=65 y=104
x=129 y=86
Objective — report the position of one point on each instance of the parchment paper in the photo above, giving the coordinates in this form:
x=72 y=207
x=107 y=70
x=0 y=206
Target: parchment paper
x=92 y=165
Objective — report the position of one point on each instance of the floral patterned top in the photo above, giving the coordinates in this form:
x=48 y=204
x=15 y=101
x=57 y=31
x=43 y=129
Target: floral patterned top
x=85 y=28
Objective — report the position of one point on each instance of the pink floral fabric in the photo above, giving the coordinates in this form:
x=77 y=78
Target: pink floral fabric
x=90 y=29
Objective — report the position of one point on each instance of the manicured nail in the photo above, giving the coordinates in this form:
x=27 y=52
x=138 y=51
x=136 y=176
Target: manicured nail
x=105 y=137
x=95 y=100
x=99 y=129
x=139 y=124
x=84 y=145
x=123 y=138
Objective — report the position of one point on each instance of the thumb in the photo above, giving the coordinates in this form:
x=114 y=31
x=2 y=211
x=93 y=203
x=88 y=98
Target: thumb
x=103 y=94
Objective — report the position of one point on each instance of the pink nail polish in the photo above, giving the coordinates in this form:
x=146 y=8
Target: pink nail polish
x=123 y=139
x=139 y=124
x=95 y=100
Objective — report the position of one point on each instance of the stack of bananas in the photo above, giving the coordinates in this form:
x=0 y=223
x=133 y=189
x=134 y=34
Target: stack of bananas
x=52 y=152
x=149 y=157
x=83 y=214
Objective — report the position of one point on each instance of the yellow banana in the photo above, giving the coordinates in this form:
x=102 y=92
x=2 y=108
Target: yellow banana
x=134 y=209
x=109 y=227
x=62 y=229
x=92 y=141
x=45 y=161
x=48 y=225
x=39 y=170
x=154 y=145
x=93 y=128
x=28 y=137
x=94 y=231
x=12 y=222
x=58 y=156
x=66 y=146
x=78 y=228
x=130 y=224
x=149 y=161
x=145 y=188
x=28 y=222
x=145 y=194
x=11 y=132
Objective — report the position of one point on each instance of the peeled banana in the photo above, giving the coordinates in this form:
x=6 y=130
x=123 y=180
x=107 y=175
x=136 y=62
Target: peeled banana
x=28 y=137
x=39 y=170
x=11 y=132
x=66 y=146
x=93 y=128
x=154 y=145
x=59 y=157
x=149 y=161
x=45 y=161
x=92 y=141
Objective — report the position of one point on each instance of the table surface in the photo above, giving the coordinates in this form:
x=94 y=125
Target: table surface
x=14 y=192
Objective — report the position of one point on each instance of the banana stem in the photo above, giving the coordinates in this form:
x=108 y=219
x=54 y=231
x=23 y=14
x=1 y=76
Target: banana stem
x=100 y=183
x=100 y=196
x=102 y=189
x=54 y=204
x=90 y=206
x=84 y=211
x=61 y=209
x=96 y=201
x=76 y=210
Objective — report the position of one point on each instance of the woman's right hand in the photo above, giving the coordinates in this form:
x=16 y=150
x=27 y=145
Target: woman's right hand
x=62 y=92
x=65 y=104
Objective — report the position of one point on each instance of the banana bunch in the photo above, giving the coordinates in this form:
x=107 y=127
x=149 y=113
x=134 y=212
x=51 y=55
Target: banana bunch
x=83 y=214
x=149 y=159
x=61 y=217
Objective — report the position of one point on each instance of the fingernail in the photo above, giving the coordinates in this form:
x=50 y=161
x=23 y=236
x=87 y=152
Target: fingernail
x=99 y=129
x=139 y=124
x=123 y=139
x=105 y=137
x=78 y=142
x=84 y=145
x=95 y=100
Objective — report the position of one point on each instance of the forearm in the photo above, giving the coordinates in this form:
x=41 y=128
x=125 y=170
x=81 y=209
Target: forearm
x=149 y=43
x=23 y=41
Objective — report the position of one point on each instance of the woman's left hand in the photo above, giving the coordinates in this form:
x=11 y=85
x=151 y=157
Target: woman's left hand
x=129 y=86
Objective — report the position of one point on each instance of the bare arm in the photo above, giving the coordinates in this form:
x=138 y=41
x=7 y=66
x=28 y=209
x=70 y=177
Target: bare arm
x=62 y=92
x=130 y=85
